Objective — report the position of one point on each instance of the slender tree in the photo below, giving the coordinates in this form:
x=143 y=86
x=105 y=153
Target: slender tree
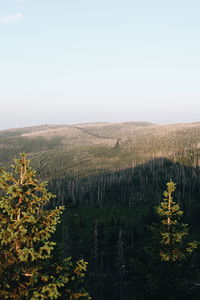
x=173 y=232
x=169 y=273
x=28 y=269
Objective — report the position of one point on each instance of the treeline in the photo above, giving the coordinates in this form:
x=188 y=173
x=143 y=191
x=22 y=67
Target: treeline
x=141 y=185
x=137 y=244
x=106 y=223
x=122 y=248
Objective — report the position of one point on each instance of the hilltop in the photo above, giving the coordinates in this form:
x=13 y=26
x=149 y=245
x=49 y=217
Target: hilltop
x=90 y=148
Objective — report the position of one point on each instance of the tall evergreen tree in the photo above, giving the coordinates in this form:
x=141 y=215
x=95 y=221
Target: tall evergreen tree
x=27 y=267
x=173 y=232
x=169 y=273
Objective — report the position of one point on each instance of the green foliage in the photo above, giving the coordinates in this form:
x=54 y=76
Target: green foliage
x=118 y=184
x=27 y=267
x=168 y=268
x=173 y=232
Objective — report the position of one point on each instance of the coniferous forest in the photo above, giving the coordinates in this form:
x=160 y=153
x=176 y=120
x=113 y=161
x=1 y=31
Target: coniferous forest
x=121 y=200
x=99 y=150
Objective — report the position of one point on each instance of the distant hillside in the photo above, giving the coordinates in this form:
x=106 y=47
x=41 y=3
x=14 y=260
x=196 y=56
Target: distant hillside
x=84 y=149
x=110 y=177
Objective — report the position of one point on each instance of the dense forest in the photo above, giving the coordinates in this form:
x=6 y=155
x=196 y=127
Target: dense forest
x=111 y=179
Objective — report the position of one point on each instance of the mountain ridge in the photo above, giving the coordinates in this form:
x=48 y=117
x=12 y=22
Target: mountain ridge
x=93 y=147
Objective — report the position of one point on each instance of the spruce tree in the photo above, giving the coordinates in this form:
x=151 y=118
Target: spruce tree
x=28 y=269
x=168 y=270
x=173 y=232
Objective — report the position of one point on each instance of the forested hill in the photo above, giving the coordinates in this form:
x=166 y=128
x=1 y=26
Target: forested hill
x=109 y=163
x=86 y=149
x=110 y=177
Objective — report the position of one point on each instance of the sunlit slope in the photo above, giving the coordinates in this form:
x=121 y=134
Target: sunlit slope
x=82 y=149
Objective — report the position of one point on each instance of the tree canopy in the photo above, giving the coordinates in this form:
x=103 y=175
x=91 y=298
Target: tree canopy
x=28 y=269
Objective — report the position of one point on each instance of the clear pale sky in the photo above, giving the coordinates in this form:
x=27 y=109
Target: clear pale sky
x=72 y=61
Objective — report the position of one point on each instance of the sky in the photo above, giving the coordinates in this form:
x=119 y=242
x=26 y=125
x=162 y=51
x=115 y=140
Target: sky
x=76 y=61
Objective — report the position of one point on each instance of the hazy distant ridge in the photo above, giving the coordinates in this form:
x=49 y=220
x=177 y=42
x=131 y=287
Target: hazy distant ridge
x=57 y=150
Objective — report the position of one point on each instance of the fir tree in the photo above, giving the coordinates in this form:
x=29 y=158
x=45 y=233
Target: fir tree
x=27 y=267
x=173 y=232
x=169 y=273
